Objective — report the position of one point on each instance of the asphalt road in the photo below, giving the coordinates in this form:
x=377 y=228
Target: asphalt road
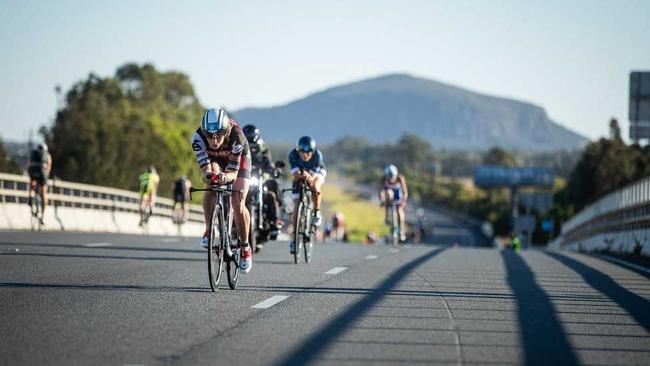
x=101 y=299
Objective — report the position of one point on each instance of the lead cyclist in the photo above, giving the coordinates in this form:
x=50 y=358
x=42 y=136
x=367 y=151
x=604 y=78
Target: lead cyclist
x=223 y=155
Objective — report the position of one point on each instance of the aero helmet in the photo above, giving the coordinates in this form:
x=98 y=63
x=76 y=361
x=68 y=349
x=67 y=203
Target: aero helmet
x=214 y=120
x=390 y=170
x=306 y=144
x=252 y=133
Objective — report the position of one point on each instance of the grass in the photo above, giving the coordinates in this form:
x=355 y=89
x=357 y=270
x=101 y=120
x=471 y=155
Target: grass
x=361 y=214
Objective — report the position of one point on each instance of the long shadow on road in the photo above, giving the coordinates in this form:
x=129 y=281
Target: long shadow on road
x=310 y=349
x=543 y=338
x=635 y=305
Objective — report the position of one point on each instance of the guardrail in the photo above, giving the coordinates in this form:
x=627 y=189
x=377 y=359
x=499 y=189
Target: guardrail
x=618 y=222
x=14 y=189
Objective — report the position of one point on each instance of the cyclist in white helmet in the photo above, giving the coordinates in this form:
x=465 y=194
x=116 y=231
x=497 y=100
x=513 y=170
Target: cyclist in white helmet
x=222 y=153
x=393 y=190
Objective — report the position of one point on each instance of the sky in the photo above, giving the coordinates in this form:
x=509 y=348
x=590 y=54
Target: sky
x=571 y=57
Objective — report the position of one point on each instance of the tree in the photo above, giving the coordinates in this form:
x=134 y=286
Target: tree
x=499 y=156
x=7 y=164
x=111 y=129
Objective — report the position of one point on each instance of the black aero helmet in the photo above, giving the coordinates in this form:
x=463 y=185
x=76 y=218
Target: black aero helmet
x=252 y=133
x=306 y=144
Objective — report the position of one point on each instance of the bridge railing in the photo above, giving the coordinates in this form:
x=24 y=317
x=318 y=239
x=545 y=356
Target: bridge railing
x=14 y=189
x=619 y=221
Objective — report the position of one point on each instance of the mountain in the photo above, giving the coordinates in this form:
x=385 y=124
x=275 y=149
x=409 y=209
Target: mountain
x=383 y=108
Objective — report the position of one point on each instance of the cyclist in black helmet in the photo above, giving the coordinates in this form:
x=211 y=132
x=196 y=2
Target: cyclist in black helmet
x=38 y=168
x=261 y=158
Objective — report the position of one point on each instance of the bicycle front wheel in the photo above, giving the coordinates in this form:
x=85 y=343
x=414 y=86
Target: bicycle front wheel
x=298 y=232
x=232 y=268
x=216 y=248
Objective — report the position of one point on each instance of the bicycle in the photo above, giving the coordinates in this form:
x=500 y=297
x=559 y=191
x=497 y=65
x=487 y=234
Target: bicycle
x=391 y=217
x=178 y=217
x=36 y=207
x=220 y=247
x=304 y=231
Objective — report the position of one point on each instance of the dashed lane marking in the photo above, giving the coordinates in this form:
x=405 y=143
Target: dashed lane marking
x=269 y=302
x=97 y=245
x=372 y=256
x=336 y=270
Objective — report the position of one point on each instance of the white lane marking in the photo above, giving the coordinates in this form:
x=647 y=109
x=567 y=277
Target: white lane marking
x=170 y=240
x=270 y=302
x=623 y=263
x=372 y=256
x=336 y=270
x=96 y=245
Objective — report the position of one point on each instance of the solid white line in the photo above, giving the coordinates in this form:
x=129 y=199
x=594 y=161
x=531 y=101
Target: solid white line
x=269 y=302
x=336 y=270
x=372 y=256
x=624 y=263
x=96 y=245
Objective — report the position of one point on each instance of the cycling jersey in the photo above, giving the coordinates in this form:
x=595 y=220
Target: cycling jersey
x=315 y=164
x=148 y=182
x=396 y=187
x=232 y=156
x=37 y=169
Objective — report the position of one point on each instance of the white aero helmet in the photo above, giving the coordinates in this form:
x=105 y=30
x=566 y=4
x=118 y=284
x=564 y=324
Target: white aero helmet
x=215 y=120
x=390 y=170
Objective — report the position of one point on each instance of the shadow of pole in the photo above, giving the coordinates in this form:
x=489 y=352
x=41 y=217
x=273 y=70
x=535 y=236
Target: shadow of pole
x=635 y=305
x=312 y=347
x=543 y=338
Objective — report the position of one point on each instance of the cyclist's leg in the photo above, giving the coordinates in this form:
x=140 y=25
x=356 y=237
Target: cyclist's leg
x=208 y=206
x=400 y=220
x=43 y=193
x=240 y=211
x=315 y=190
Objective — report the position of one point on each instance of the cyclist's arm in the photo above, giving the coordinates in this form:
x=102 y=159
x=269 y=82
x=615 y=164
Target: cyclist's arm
x=49 y=163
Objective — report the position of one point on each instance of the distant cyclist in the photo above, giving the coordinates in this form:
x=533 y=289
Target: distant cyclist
x=261 y=158
x=393 y=191
x=38 y=168
x=307 y=165
x=181 y=192
x=223 y=155
x=149 y=181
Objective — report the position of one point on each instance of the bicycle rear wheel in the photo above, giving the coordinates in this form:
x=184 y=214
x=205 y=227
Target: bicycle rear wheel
x=216 y=248
x=232 y=268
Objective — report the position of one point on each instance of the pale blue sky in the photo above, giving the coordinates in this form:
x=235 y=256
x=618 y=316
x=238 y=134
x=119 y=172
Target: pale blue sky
x=571 y=57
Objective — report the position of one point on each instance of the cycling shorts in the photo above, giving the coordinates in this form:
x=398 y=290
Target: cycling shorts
x=38 y=174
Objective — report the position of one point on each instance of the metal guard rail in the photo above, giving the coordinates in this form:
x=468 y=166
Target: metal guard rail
x=624 y=210
x=14 y=189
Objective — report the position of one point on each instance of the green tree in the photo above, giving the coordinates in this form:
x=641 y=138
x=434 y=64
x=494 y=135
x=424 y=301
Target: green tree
x=7 y=164
x=112 y=128
x=499 y=156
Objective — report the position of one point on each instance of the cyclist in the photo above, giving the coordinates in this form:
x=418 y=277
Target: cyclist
x=148 y=188
x=181 y=191
x=38 y=168
x=223 y=155
x=393 y=191
x=261 y=157
x=306 y=157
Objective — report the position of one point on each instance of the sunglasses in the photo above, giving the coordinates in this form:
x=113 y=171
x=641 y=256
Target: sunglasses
x=217 y=135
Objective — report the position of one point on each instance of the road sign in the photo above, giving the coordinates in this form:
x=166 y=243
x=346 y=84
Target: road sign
x=540 y=201
x=501 y=176
x=547 y=225
x=639 y=107
x=525 y=223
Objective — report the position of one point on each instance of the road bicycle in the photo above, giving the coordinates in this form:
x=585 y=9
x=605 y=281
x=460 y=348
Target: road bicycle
x=221 y=237
x=304 y=230
x=36 y=207
x=393 y=224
